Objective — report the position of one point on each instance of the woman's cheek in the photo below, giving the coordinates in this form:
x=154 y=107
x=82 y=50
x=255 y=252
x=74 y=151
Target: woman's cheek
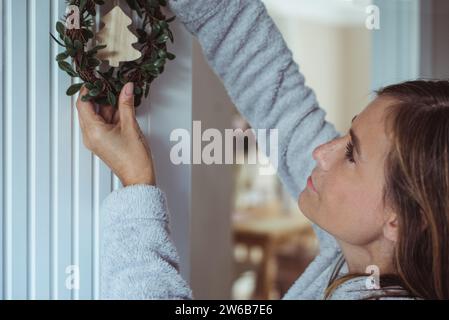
x=339 y=208
x=356 y=219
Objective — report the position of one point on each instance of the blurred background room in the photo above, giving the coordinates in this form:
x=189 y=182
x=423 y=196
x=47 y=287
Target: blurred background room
x=274 y=242
x=345 y=57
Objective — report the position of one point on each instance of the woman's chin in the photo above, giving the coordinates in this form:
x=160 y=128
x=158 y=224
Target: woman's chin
x=307 y=205
x=303 y=203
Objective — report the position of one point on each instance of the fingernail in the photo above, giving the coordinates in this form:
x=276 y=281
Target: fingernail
x=129 y=89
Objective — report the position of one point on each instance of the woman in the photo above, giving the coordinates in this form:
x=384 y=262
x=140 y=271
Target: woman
x=379 y=192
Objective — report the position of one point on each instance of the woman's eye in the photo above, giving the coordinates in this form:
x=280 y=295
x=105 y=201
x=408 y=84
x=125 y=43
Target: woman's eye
x=350 y=152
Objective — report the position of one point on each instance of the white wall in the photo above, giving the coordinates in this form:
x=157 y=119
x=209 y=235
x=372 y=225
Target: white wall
x=51 y=186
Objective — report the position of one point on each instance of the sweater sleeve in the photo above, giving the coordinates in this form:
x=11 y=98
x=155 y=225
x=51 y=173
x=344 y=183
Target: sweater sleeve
x=138 y=258
x=246 y=50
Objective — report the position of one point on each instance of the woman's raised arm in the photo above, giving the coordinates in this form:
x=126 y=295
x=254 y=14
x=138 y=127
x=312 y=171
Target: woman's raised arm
x=247 y=51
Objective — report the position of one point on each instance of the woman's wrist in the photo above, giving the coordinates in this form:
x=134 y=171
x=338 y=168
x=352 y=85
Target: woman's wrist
x=139 y=182
x=140 y=179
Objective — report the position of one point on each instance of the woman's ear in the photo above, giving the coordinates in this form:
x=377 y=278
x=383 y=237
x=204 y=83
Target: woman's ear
x=390 y=228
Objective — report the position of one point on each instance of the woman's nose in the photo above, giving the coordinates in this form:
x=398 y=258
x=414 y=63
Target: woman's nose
x=322 y=154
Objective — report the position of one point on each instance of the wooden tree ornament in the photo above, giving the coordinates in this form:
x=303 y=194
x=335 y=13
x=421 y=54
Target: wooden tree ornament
x=117 y=38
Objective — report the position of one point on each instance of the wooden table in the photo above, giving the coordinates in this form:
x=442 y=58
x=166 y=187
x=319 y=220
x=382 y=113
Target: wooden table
x=267 y=232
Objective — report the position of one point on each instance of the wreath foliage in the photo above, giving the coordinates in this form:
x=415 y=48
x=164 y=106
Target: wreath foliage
x=105 y=86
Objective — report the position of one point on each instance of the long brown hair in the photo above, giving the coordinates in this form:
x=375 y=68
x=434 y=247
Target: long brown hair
x=417 y=186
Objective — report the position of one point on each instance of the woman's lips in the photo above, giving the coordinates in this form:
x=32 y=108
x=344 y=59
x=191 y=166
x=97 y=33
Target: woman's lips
x=310 y=185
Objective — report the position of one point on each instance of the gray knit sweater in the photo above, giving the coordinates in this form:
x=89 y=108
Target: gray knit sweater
x=246 y=50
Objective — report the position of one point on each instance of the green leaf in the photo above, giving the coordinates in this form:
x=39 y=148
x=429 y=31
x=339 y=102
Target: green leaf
x=82 y=5
x=162 y=39
x=94 y=92
x=87 y=33
x=149 y=67
x=154 y=73
x=74 y=89
x=89 y=86
x=65 y=66
x=112 y=99
x=93 y=62
x=118 y=86
x=98 y=84
x=60 y=28
x=97 y=48
x=138 y=91
x=171 y=56
x=159 y=63
x=71 y=52
x=163 y=24
x=170 y=35
x=62 y=56
x=162 y=54
x=155 y=31
x=68 y=42
x=86 y=98
x=153 y=56
x=78 y=45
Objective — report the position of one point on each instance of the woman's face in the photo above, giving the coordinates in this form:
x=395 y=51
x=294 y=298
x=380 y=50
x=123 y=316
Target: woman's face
x=345 y=198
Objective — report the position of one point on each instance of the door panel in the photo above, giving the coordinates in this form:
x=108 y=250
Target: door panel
x=51 y=186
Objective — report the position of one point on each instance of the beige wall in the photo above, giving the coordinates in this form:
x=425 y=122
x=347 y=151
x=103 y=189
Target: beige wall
x=335 y=59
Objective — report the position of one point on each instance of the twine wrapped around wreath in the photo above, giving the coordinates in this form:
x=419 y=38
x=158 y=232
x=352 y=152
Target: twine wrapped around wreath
x=105 y=86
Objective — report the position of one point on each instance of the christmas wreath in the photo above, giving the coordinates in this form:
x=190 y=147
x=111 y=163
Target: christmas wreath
x=105 y=85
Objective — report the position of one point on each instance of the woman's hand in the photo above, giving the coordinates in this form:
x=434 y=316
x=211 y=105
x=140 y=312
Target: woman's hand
x=115 y=137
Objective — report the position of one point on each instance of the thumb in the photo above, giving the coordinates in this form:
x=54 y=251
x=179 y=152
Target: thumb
x=126 y=103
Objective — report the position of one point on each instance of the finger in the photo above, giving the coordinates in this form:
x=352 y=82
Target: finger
x=126 y=104
x=107 y=112
x=86 y=110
